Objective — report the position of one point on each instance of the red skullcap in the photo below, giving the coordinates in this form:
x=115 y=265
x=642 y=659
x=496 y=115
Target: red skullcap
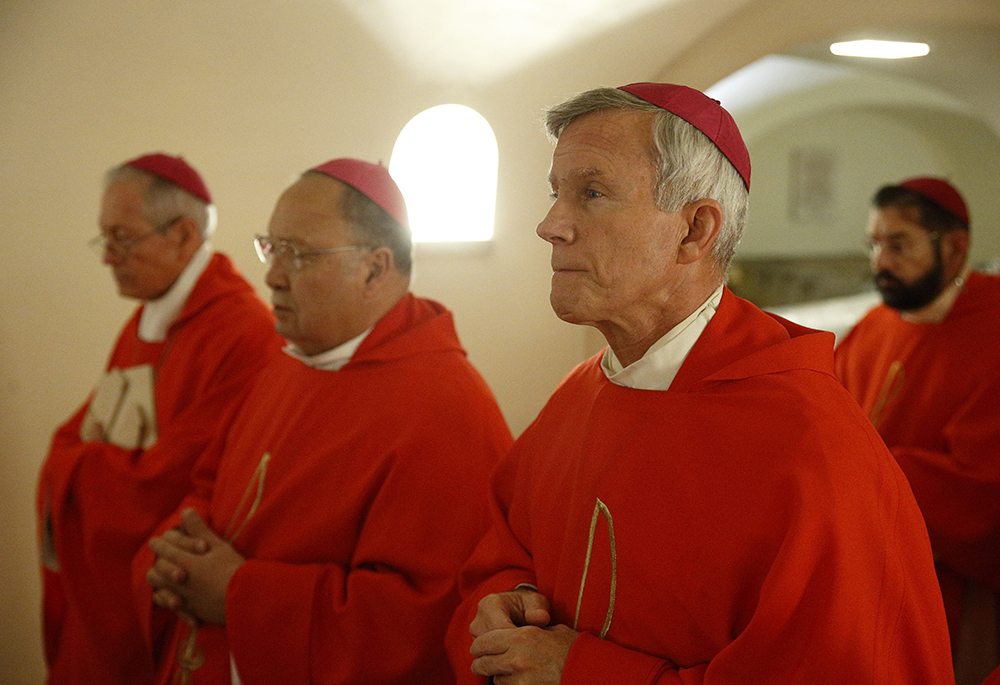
x=941 y=192
x=372 y=180
x=702 y=112
x=175 y=170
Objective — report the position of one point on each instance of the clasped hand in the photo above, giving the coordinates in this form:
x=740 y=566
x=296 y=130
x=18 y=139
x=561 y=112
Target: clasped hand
x=514 y=643
x=192 y=569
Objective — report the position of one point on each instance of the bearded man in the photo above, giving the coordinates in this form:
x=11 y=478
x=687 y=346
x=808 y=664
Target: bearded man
x=922 y=365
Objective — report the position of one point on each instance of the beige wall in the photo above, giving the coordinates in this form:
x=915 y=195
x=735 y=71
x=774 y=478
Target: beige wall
x=250 y=98
x=855 y=140
x=252 y=93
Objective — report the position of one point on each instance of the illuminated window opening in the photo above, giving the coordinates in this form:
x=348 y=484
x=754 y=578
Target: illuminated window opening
x=445 y=163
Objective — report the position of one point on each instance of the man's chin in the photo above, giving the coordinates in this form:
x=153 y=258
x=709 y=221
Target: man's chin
x=128 y=290
x=901 y=301
x=282 y=326
x=887 y=294
x=571 y=314
x=562 y=308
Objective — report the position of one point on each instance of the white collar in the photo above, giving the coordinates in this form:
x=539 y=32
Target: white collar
x=159 y=314
x=657 y=369
x=331 y=360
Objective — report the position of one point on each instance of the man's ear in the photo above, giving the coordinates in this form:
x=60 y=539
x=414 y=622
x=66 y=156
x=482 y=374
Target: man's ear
x=379 y=263
x=187 y=236
x=704 y=222
x=958 y=242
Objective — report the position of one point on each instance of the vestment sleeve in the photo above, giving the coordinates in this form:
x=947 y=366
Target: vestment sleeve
x=381 y=618
x=959 y=488
x=591 y=659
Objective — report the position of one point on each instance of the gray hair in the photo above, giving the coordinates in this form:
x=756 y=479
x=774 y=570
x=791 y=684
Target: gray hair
x=374 y=226
x=164 y=201
x=689 y=165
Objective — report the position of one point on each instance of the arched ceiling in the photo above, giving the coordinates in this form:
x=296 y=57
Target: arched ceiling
x=963 y=65
x=474 y=42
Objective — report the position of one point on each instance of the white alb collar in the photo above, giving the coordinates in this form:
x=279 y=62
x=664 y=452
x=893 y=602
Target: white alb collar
x=159 y=314
x=331 y=360
x=657 y=369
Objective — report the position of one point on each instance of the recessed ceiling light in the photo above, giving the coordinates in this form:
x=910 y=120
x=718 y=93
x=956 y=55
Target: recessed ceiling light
x=884 y=49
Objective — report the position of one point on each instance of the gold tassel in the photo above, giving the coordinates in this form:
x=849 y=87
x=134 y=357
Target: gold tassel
x=891 y=387
x=599 y=509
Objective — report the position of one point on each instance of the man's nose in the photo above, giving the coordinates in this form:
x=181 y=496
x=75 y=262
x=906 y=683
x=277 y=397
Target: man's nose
x=880 y=259
x=112 y=256
x=557 y=226
x=276 y=277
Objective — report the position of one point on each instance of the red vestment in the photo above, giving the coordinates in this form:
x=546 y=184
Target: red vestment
x=933 y=393
x=354 y=527
x=745 y=526
x=102 y=502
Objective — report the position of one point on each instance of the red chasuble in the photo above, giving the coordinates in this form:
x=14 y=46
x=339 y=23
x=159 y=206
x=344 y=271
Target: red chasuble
x=745 y=526
x=98 y=502
x=355 y=495
x=933 y=393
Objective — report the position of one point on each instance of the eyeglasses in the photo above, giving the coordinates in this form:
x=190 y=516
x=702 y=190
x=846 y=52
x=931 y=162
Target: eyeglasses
x=269 y=249
x=897 y=247
x=124 y=246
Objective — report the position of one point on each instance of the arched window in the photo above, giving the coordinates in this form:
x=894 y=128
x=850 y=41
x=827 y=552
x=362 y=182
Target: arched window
x=445 y=163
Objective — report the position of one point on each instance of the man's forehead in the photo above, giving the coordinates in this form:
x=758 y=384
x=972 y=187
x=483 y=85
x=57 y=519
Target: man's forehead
x=602 y=144
x=129 y=188
x=894 y=221
x=609 y=127
x=122 y=198
x=308 y=209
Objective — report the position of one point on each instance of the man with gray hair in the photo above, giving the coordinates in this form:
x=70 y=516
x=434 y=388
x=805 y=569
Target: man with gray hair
x=123 y=461
x=702 y=502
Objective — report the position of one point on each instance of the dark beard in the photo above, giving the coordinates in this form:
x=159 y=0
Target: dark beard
x=919 y=294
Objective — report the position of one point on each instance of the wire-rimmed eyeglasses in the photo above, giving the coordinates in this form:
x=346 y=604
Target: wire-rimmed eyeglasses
x=122 y=246
x=899 y=247
x=269 y=249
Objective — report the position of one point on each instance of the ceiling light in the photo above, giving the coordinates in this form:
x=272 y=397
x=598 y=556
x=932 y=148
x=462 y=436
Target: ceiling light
x=884 y=49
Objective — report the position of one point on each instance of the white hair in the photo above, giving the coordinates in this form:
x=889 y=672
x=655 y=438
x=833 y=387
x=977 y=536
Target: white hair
x=163 y=200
